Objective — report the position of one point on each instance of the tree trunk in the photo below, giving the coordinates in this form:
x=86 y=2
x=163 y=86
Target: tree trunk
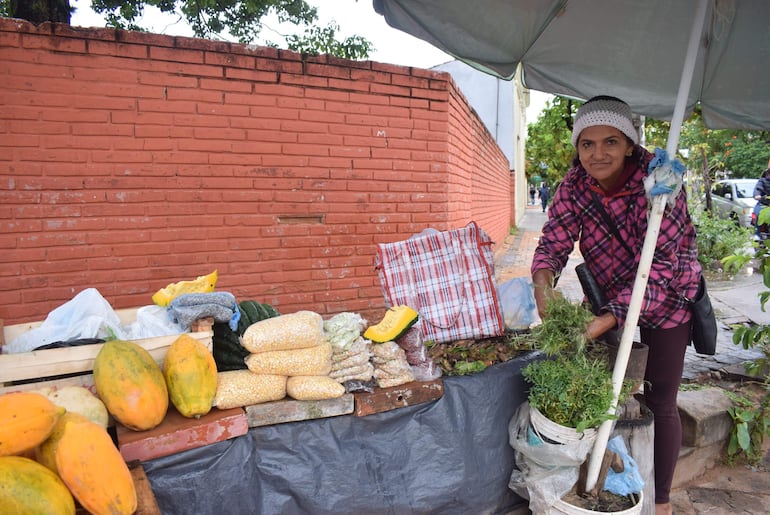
x=706 y=178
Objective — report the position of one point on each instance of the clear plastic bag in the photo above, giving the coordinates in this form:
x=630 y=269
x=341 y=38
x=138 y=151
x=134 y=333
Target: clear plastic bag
x=517 y=301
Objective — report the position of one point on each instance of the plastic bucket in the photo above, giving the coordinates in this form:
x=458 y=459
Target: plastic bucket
x=551 y=432
x=561 y=507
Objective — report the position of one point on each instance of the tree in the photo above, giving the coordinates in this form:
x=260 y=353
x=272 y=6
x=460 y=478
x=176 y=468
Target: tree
x=549 y=151
x=211 y=19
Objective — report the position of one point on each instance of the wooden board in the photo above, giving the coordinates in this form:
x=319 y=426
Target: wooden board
x=409 y=394
x=288 y=410
x=177 y=433
x=146 y=503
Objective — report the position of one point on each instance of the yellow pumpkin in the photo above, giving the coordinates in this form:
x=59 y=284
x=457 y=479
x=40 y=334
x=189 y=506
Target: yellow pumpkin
x=26 y=419
x=191 y=376
x=28 y=487
x=93 y=469
x=131 y=385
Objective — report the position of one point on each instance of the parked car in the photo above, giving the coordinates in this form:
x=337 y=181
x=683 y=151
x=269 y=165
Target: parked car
x=734 y=199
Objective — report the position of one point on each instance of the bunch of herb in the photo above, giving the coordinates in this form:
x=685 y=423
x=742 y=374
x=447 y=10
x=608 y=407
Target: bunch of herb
x=563 y=328
x=574 y=391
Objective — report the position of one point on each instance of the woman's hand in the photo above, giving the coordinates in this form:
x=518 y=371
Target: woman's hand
x=600 y=325
x=542 y=280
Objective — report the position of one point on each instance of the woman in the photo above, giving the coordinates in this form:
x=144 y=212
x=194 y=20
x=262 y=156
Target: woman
x=605 y=189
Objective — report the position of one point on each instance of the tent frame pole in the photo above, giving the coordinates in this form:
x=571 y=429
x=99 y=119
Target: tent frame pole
x=648 y=249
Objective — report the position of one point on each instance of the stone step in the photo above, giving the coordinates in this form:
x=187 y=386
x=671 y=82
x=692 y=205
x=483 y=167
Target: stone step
x=705 y=431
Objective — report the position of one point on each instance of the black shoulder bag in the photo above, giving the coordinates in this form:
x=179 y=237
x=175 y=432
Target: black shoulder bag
x=704 y=322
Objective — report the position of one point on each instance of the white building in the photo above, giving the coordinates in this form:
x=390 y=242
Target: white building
x=501 y=105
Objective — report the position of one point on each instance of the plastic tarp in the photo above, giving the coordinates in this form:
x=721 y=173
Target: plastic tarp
x=446 y=456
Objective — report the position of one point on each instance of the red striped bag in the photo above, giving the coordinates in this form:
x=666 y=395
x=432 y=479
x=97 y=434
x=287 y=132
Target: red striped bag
x=448 y=277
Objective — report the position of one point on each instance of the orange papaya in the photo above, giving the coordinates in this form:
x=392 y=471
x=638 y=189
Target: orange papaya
x=93 y=469
x=26 y=419
x=131 y=385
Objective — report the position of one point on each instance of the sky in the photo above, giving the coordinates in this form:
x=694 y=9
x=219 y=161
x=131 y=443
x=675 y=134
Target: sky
x=353 y=17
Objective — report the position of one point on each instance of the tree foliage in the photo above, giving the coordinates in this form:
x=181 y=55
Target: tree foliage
x=213 y=19
x=549 y=149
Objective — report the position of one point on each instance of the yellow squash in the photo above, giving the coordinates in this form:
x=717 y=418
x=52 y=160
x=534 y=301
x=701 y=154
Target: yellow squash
x=27 y=487
x=191 y=376
x=203 y=284
x=396 y=322
x=26 y=419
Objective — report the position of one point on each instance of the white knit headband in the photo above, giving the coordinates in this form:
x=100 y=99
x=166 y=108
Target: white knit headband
x=605 y=112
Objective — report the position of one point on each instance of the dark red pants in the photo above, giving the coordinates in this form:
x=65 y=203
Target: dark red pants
x=665 y=363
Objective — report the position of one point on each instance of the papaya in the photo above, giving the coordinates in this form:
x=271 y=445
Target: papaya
x=191 y=376
x=93 y=469
x=30 y=488
x=131 y=385
x=203 y=284
x=26 y=419
x=45 y=453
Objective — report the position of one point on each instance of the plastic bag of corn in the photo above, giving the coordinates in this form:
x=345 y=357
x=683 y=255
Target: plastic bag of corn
x=311 y=361
x=363 y=372
x=297 y=330
x=390 y=365
x=236 y=388
x=313 y=388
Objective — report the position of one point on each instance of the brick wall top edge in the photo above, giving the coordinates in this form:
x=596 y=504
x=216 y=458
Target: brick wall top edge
x=192 y=43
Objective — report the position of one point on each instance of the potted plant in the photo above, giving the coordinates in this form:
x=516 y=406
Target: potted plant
x=572 y=386
x=571 y=389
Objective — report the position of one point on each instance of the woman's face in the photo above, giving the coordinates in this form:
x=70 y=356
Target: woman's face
x=602 y=151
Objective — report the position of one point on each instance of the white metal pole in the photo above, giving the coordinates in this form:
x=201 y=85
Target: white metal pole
x=648 y=249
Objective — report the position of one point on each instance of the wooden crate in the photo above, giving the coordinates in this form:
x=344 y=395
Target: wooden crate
x=32 y=370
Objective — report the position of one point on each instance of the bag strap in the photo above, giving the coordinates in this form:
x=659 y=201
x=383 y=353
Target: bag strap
x=607 y=220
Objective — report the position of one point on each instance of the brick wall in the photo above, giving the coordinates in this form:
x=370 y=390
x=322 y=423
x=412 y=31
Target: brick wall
x=133 y=160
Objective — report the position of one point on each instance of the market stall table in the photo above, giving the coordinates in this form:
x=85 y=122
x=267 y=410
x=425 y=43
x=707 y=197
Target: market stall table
x=446 y=456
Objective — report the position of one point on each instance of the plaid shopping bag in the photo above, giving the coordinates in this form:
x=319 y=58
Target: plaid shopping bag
x=448 y=277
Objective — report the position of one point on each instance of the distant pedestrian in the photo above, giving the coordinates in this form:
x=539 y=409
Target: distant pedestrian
x=532 y=192
x=544 y=196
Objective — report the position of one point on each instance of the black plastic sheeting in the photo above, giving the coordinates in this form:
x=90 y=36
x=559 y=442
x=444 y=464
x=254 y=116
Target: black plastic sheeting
x=447 y=456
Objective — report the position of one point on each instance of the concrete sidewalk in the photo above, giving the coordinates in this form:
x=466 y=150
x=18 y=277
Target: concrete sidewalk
x=702 y=484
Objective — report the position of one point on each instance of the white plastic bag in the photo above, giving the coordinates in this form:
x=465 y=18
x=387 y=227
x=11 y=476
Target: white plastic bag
x=151 y=321
x=87 y=315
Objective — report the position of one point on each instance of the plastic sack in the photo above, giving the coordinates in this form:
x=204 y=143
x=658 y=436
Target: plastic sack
x=517 y=301
x=87 y=315
x=151 y=321
x=630 y=480
x=543 y=472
